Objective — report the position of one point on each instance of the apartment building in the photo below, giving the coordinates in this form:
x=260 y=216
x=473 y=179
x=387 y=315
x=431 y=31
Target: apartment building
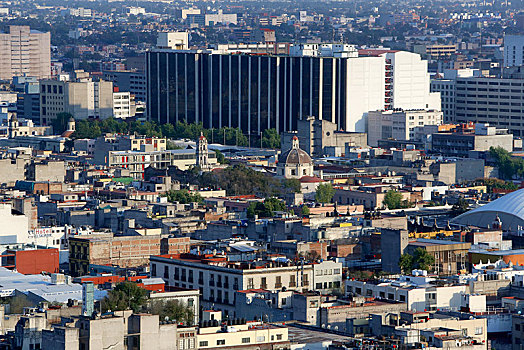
x=138 y=161
x=419 y=293
x=218 y=279
x=83 y=98
x=466 y=140
x=128 y=80
x=123 y=105
x=399 y=125
x=24 y=51
x=124 y=251
x=484 y=100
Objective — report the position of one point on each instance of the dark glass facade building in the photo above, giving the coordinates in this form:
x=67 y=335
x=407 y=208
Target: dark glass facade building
x=252 y=92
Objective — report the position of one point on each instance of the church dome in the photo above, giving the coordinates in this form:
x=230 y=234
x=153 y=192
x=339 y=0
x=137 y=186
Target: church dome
x=295 y=155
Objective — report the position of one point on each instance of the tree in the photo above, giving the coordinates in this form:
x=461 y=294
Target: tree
x=423 y=260
x=125 y=296
x=324 y=193
x=508 y=166
x=305 y=210
x=172 y=310
x=60 y=122
x=461 y=206
x=270 y=138
x=405 y=262
x=393 y=199
x=292 y=185
x=265 y=209
x=221 y=158
x=184 y=197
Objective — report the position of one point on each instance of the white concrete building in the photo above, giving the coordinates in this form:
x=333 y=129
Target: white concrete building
x=14 y=228
x=173 y=40
x=83 y=99
x=220 y=17
x=513 y=50
x=25 y=52
x=399 y=125
x=123 y=105
x=218 y=279
x=417 y=293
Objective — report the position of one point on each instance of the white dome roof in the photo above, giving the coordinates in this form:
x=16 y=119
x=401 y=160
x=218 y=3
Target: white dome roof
x=509 y=208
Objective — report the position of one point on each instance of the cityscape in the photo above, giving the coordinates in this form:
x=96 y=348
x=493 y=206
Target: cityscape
x=281 y=175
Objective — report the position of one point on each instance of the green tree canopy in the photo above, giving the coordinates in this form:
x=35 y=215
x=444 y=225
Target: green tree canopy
x=265 y=209
x=270 y=139
x=125 y=296
x=305 y=210
x=393 y=199
x=423 y=260
x=59 y=124
x=405 y=262
x=324 y=193
x=461 y=206
x=172 y=310
x=508 y=166
x=220 y=157
x=293 y=185
x=240 y=180
x=184 y=197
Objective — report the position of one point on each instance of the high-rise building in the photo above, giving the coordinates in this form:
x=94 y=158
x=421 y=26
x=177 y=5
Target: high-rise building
x=470 y=98
x=513 y=50
x=83 y=99
x=257 y=92
x=25 y=52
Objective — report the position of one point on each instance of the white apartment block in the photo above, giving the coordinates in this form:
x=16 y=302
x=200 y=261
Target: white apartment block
x=220 y=17
x=83 y=99
x=218 y=279
x=513 y=50
x=123 y=105
x=25 y=52
x=399 y=125
x=418 y=297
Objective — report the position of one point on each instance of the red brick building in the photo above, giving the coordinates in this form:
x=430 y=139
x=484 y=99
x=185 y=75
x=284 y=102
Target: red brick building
x=30 y=261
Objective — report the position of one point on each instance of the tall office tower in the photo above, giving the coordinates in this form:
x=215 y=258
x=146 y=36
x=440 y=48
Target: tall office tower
x=469 y=97
x=513 y=50
x=255 y=92
x=25 y=52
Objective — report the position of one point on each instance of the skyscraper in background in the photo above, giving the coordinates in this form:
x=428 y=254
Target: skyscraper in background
x=25 y=52
x=255 y=92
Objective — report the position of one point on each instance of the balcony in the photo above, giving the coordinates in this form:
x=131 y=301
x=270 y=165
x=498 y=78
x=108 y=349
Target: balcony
x=278 y=285
x=212 y=283
x=200 y=281
x=219 y=284
x=292 y=284
x=263 y=286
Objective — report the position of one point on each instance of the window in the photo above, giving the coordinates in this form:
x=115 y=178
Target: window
x=246 y=340
x=479 y=330
x=203 y=343
x=221 y=342
x=278 y=282
x=261 y=339
x=250 y=284
x=279 y=336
